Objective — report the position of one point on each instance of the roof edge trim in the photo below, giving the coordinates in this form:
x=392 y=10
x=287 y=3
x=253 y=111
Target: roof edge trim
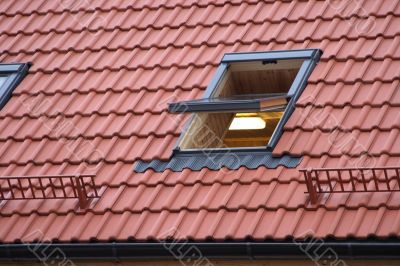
x=348 y=249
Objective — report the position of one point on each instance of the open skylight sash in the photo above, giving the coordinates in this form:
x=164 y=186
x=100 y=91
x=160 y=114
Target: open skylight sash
x=233 y=104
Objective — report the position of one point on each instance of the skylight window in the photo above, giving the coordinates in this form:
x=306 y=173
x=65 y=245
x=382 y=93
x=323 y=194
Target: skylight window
x=10 y=76
x=248 y=101
x=3 y=79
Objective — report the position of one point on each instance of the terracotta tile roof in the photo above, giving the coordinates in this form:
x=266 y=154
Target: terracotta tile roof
x=105 y=71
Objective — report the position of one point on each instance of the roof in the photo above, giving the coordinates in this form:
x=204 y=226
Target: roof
x=105 y=70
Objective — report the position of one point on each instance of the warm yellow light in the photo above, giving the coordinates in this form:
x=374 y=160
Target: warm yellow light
x=243 y=123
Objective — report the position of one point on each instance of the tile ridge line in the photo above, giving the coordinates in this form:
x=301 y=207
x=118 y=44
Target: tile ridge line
x=210 y=210
x=69 y=29
x=87 y=91
x=132 y=7
x=164 y=47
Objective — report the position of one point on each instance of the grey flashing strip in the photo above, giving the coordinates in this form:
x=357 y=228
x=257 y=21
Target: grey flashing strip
x=217 y=160
x=231 y=104
x=16 y=73
x=271 y=55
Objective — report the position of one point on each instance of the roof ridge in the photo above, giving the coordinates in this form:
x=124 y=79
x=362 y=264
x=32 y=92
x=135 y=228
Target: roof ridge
x=337 y=106
x=173 y=45
x=141 y=66
x=132 y=7
x=83 y=137
x=59 y=113
x=184 y=25
x=92 y=137
x=340 y=128
x=338 y=155
x=213 y=210
x=164 y=47
x=357 y=80
x=72 y=162
x=88 y=91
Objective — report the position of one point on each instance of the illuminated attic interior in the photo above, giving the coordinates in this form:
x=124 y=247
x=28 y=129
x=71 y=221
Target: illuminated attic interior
x=268 y=82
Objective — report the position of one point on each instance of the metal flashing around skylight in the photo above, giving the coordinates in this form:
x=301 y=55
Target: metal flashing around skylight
x=217 y=159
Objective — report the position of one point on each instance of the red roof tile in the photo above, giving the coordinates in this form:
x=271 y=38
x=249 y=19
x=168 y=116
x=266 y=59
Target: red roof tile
x=103 y=85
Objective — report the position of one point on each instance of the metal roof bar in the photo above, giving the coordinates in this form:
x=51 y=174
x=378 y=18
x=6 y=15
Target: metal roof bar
x=350 y=180
x=48 y=187
x=290 y=249
x=271 y=55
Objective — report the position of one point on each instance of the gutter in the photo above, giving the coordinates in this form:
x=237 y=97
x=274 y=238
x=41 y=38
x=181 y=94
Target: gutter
x=315 y=249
